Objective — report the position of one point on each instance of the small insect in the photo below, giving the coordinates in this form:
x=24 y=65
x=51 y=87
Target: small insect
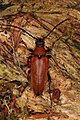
x=39 y=62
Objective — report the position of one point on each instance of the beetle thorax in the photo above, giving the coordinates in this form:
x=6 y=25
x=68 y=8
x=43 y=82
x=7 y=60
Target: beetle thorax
x=39 y=51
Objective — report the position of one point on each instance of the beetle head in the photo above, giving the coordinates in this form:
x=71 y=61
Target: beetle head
x=39 y=42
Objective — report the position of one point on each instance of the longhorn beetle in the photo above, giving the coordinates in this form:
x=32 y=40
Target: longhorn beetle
x=39 y=62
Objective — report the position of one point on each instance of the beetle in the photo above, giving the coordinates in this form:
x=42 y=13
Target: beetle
x=39 y=68
x=39 y=62
x=39 y=65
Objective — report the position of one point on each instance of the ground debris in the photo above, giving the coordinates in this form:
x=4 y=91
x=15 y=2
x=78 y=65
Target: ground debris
x=17 y=100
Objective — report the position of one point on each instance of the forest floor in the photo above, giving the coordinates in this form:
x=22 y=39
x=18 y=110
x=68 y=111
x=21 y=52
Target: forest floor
x=17 y=99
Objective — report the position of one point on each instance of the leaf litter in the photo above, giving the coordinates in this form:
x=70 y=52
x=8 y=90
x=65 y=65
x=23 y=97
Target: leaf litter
x=17 y=100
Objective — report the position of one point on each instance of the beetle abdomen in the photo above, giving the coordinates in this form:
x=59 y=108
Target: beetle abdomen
x=39 y=68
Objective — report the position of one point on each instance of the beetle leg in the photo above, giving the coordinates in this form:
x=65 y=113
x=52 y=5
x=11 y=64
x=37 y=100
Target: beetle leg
x=49 y=56
x=29 y=58
x=48 y=49
x=49 y=80
x=31 y=50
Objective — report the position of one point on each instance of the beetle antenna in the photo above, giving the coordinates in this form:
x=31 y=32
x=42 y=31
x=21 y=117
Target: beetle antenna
x=32 y=35
x=55 y=27
x=19 y=28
